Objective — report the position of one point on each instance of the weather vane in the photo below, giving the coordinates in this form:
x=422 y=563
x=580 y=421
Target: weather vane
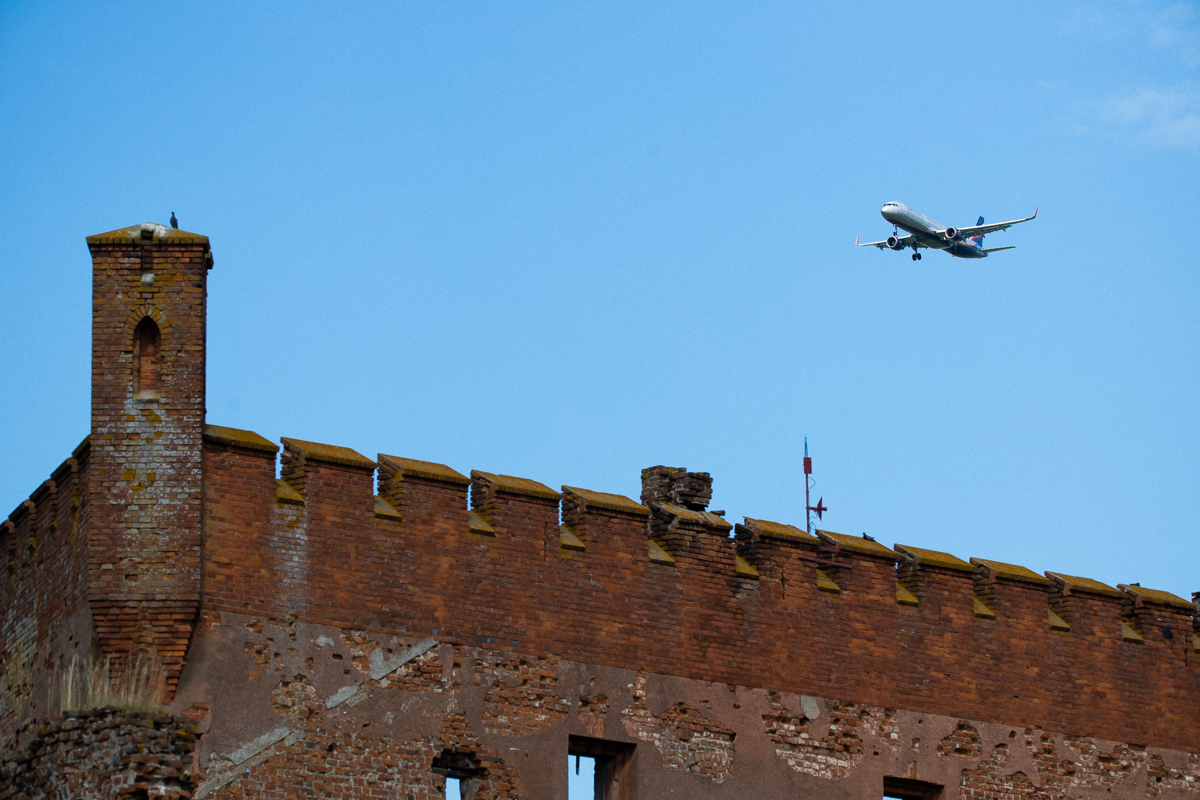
x=820 y=507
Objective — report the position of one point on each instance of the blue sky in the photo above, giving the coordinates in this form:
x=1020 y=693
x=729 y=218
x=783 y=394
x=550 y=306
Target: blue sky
x=568 y=242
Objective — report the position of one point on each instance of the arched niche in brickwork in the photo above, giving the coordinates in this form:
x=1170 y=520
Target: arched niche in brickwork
x=140 y=322
x=136 y=315
x=147 y=358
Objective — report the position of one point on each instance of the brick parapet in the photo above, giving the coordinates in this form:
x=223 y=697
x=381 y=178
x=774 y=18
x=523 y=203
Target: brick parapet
x=241 y=561
x=784 y=557
x=330 y=559
x=863 y=570
x=525 y=515
x=611 y=527
x=340 y=531
x=430 y=495
x=699 y=618
x=937 y=579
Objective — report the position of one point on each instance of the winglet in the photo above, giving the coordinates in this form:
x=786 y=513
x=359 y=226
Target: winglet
x=1035 y=212
x=856 y=238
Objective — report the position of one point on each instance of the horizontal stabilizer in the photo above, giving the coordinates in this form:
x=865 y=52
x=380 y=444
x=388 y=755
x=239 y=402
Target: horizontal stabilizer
x=998 y=249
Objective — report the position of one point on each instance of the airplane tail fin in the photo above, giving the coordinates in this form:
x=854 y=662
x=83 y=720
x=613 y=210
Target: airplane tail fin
x=978 y=240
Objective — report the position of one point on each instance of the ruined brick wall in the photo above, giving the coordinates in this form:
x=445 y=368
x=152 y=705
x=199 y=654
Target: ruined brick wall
x=104 y=754
x=43 y=594
x=667 y=589
x=299 y=710
x=106 y=553
x=148 y=362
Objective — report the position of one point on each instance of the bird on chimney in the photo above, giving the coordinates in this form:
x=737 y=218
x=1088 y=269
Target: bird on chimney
x=868 y=538
x=174 y=222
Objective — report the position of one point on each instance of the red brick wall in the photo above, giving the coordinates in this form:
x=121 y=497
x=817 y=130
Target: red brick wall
x=609 y=605
x=239 y=573
x=44 y=550
x=311 y=711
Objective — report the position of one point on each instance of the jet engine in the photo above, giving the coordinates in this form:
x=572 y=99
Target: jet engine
x=952 y=234
x=894 y=243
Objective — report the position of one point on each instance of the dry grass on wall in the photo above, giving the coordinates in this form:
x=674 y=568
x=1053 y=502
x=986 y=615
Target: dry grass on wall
x=88 y=683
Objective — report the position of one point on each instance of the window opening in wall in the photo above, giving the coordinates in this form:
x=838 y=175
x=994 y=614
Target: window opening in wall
x=611 y=764
x=146 y=346
x=462 y=773
x=581 y=781
x=904 y=789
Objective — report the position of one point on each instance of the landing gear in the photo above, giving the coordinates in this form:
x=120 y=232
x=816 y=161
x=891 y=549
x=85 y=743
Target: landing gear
x=916 y=256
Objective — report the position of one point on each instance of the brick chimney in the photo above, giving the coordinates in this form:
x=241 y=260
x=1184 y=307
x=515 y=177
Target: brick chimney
x=149 y=284
x=677 y=486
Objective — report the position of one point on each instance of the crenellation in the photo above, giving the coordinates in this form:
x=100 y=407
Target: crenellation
x=699 y=542
x=234 y=437
x=785 y=557
x=1162 y=620
x=858 y=565
x=297 y=455
x=1086 y=604
x=424 y=491
x=1009 y=589
x=239 y=490
x=943 y=584
x=524 y=513
x=44 y=500
x=612 y=527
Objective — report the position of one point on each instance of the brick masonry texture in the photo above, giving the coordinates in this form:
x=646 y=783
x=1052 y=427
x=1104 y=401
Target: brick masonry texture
x=145 y=482
x=358 y=627
x=700 y=738
x=104 y=754
x=430 y=573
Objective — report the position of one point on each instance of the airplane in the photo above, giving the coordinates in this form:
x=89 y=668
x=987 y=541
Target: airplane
x=925 y=232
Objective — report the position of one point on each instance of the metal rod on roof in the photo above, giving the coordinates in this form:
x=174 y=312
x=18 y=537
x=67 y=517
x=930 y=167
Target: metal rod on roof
x=807 y=472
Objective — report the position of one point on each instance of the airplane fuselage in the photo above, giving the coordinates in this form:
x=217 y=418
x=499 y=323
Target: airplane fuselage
x=928 y=232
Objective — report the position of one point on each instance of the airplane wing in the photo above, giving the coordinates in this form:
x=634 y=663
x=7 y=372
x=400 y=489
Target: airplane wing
x=905 y=241
x=976 y=230
x=995 y=249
